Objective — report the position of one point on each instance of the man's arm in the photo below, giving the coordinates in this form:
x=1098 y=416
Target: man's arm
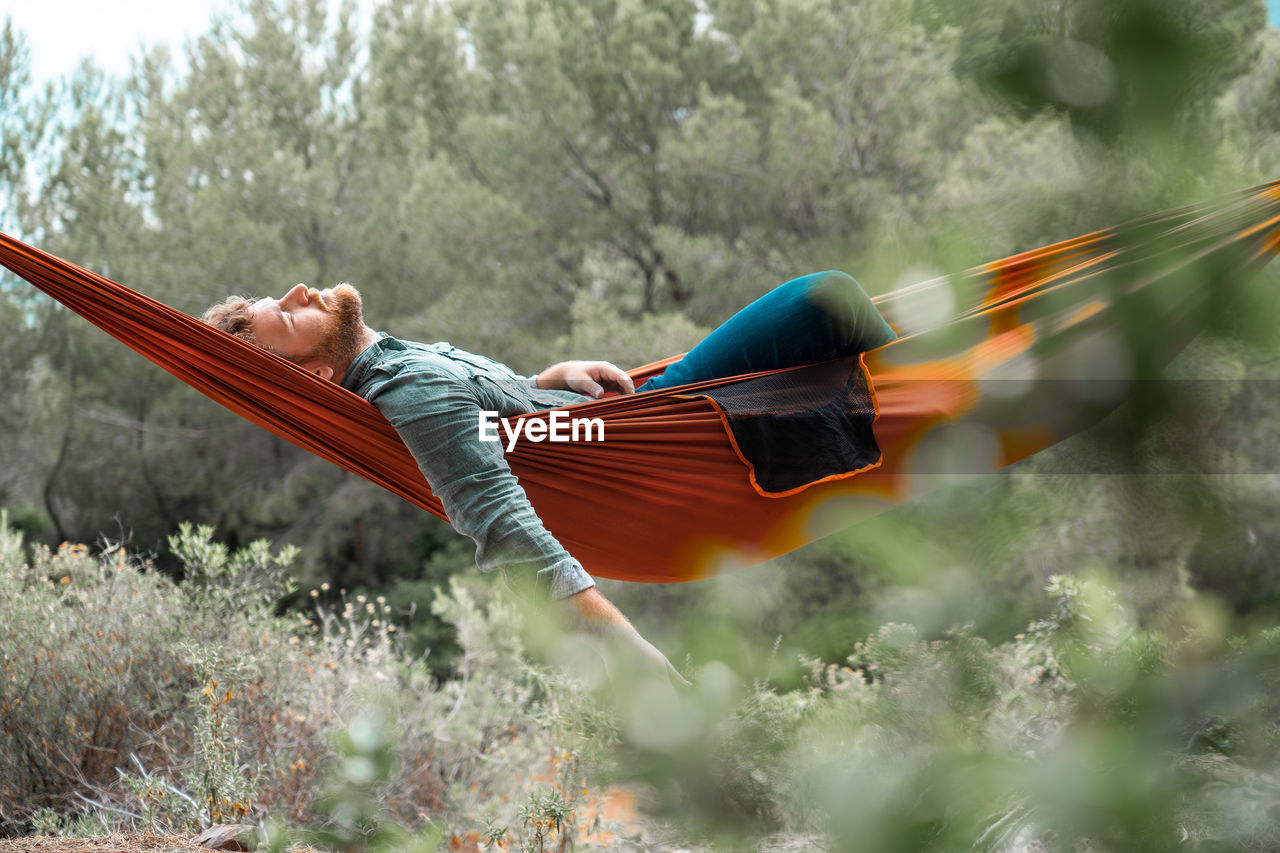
x=437 y=418
x=595 y=615
x=592 y=378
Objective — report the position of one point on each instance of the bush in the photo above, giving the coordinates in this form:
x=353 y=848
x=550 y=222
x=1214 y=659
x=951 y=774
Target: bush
x=177 y=705
x=1086 y=731
x=92 y=673
x=134 y=701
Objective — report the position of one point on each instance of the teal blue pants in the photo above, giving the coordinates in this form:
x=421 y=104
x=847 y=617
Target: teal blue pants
x=809 y=319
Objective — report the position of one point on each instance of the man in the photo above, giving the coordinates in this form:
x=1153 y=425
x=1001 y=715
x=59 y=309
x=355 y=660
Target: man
x=433 y=395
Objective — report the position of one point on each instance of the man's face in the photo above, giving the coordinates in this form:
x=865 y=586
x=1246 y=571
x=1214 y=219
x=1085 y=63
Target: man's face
x=309 y=325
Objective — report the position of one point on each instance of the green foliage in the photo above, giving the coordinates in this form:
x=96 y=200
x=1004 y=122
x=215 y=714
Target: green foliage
x=1087 y=729
x=111 y=669
x=130 y=700
x=48 y=822
x=352 y=801
x=82 y=684
x=231 y=582
x=1094 y=726
x=551 y=179
x=544 y=818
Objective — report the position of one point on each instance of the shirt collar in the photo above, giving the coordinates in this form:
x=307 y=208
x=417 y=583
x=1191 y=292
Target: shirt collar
x=369 y=357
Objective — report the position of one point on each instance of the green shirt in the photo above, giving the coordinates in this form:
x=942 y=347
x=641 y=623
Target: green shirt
x=433 y=395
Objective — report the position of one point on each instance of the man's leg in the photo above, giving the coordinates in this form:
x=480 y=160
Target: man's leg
x=807 y=320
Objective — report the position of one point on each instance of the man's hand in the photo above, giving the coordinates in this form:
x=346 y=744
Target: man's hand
x=592 y=378
x=593 y=614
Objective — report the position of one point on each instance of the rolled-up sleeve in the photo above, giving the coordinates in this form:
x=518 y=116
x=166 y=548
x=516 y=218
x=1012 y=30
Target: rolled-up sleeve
x=437 y=416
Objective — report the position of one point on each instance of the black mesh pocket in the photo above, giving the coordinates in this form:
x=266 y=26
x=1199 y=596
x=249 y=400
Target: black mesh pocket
x=803 y=425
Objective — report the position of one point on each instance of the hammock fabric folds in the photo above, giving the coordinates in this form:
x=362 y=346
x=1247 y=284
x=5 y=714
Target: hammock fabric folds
x=1028 y=350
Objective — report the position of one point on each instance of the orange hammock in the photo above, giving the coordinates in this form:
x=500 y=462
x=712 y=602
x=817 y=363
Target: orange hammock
x=1018 y=354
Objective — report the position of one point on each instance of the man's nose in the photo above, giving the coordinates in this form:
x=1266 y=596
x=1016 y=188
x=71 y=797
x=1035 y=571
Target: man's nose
x=297 y=295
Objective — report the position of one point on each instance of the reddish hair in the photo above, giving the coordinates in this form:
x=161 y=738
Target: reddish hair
x=232 y=316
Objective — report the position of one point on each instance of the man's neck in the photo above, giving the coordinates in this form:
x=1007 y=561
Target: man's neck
x=367 y=339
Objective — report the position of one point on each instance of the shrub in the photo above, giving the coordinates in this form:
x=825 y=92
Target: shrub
x=130 y=700
x=168 y=703
x=92 y=672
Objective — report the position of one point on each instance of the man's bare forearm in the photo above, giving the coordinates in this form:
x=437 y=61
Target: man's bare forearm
x=592 y=378
x=595 y=615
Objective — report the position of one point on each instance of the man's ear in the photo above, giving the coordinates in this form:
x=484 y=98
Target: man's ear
x=319 y=368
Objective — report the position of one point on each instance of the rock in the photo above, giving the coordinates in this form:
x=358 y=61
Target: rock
x=221 y=836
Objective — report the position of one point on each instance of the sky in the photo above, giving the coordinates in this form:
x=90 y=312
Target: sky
x=60 y=32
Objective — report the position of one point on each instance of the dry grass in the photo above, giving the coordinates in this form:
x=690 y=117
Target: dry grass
x=116 y=842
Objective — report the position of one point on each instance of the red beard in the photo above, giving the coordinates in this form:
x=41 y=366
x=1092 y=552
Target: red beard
x=345 y=327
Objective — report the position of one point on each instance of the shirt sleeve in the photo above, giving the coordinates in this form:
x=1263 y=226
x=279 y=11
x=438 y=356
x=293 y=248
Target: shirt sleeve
x=437 y=417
